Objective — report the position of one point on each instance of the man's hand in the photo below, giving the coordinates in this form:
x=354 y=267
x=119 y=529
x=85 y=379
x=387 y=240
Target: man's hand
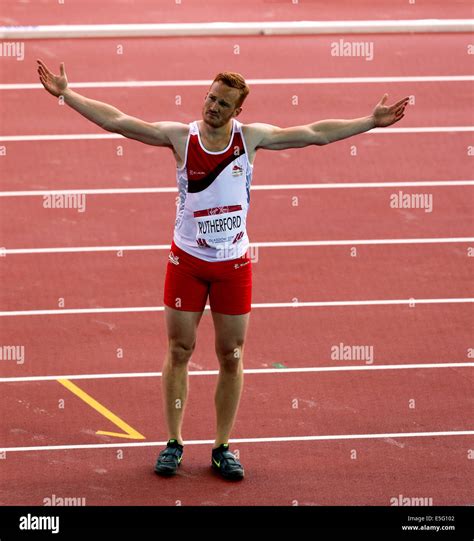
x=385 y=115
x=54 y=84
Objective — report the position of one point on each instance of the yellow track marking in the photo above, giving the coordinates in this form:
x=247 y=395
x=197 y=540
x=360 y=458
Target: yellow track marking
x=128 y=431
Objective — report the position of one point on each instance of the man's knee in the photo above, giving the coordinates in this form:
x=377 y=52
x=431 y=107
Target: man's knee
x=179 y=352
x=230 y=357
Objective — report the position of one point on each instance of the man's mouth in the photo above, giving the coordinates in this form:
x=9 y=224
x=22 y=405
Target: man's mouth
x=211 y=113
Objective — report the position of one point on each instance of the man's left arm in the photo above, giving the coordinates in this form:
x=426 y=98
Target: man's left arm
x=323 y=132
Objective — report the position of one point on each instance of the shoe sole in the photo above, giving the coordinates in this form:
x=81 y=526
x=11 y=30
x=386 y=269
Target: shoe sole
x=166 y=473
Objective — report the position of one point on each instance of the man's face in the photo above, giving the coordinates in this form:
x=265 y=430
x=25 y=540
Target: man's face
x=220 y=105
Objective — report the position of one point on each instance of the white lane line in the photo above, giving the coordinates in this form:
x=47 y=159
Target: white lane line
x=280 y=244
x=96 y=136
x=264 y=371
x=221 y=28
x=277 y=81
x=255 y=187
x=283 y=439
x=296 y=304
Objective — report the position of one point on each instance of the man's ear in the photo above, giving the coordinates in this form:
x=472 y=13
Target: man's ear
x=238 y=111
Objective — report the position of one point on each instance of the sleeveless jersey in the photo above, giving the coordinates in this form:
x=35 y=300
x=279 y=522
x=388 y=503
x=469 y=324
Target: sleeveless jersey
x=214 y=197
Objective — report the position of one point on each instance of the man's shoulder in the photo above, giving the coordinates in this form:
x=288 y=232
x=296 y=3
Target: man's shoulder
x=254 y=132
x=175 y=131
x=172 y=126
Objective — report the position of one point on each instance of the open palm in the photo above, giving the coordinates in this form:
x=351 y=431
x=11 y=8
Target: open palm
x=54 y=84
x=385 y=115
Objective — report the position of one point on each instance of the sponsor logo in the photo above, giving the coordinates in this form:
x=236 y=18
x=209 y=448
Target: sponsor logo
x=196 y=173
x=218 y=210
x=173 y=258
x=238 y=265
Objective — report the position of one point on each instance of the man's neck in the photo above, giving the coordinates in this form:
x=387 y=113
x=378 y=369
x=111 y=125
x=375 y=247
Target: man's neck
x=215 y=134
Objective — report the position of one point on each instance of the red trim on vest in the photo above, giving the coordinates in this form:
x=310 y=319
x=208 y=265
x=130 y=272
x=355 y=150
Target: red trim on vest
x=200 y=163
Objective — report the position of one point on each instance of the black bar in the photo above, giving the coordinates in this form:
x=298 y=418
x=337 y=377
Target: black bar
x=368 y=522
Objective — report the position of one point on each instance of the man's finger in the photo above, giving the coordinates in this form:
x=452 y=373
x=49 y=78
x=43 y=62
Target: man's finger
x=384 y=99
x=41 y=63
x=398 y=106
x=44 y=67
x=402 y=101
x=61 y=69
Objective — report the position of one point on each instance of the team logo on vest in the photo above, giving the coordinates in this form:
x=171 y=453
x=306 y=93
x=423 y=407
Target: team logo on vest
x=237 y=171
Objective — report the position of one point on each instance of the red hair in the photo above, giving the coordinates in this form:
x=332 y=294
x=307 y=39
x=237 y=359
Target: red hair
x=234 y=80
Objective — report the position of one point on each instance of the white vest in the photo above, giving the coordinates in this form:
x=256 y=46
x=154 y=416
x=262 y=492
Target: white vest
x=214 y=197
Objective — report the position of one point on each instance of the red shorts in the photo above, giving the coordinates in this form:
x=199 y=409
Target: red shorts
x=189 y=280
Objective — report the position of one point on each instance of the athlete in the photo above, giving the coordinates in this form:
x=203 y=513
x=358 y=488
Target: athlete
x=209 y=252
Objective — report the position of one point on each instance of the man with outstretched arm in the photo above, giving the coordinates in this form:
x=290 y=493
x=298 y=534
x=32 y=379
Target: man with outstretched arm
x=208 y=256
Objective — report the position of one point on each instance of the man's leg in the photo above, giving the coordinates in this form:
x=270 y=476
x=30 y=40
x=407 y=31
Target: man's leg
x=230 y=337
x=181 y=327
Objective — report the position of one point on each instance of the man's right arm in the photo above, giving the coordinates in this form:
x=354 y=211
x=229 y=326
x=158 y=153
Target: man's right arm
x=109 y=118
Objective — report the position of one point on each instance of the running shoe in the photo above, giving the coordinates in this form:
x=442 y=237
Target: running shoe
x=226 y=464
x=169 y=459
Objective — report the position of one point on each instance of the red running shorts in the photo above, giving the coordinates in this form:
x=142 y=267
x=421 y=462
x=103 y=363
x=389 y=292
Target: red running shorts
x=189 y=280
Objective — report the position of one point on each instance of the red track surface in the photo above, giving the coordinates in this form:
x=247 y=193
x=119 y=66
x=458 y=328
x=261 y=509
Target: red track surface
x=308 y=56
x=324 y=273
x=341 y=402
x=451 y=100
x=55 y=167
x=117 y=220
